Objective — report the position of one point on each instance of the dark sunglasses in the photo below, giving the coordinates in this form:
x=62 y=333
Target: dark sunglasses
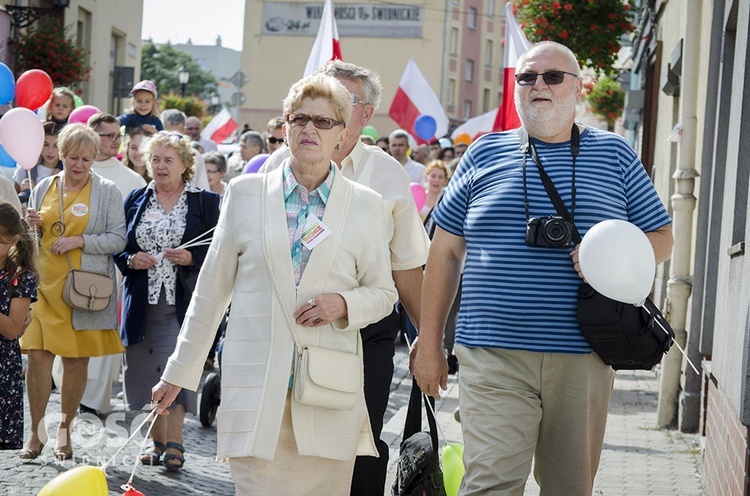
x=301 y=120
x=550 y=77
x=273 y=140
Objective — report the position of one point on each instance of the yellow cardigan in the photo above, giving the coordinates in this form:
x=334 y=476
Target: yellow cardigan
x=353 y=261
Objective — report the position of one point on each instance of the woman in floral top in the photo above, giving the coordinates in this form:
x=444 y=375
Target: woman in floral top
x=159 y=277
x=17 y=291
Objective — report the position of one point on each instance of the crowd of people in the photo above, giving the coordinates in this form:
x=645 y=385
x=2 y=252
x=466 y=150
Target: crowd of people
x=310 y=235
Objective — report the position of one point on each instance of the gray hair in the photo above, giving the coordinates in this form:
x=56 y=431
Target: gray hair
x=550 y=45
x=217 y=159
x=173 y=117
x=371 y=86
x=252 y=138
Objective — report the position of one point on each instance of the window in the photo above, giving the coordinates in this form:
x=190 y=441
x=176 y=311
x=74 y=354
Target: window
x=469 y=75
x=451 y=92
x=467 y=109
x=488 y=49
x=486 y=100
x=490 y=8
x=453 y=41
x=471 y=18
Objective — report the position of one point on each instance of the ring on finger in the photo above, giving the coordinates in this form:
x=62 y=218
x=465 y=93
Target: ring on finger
x=311 y=303
x=317 y=319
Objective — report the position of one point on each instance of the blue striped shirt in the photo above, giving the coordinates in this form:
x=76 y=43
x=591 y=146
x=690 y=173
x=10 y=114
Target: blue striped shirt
x=523 y=297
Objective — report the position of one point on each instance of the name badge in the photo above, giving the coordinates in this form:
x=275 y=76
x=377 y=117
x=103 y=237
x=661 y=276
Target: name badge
x=315 y=232
x=79 y=209
x=153 y=215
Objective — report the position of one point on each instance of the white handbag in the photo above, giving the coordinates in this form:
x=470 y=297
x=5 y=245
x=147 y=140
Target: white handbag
x=327 y=378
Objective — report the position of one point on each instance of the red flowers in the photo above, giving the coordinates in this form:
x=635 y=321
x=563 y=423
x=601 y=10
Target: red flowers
x=606 y=98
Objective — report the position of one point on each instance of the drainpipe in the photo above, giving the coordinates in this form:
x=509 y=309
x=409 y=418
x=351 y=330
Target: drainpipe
x=679 y=285
x=444 y=71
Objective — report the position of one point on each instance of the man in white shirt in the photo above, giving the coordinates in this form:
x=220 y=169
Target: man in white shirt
x=193 y=128
x=103 y=371
x=175 y=120
x=398 y=142
x=408 y=245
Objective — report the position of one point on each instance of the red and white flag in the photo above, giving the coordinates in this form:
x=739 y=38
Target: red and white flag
x=220 y=127
x=326 y=46
x=516 y=44
x=477 y=126
x=414 y=98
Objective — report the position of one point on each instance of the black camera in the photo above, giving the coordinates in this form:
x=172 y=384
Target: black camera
x=549 y=232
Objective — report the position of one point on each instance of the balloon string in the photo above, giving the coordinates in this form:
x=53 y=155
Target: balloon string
x=197 y=241
x=128 y=484
x=674 y=341
x=136 y=431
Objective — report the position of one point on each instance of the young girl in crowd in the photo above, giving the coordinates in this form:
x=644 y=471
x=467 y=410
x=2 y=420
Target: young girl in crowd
x=60 y=105
x=49 y=163
x=132 y=157
x=17 y=292
x=145 y=109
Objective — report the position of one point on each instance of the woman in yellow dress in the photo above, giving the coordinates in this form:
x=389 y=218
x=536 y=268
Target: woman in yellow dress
x=90 y=227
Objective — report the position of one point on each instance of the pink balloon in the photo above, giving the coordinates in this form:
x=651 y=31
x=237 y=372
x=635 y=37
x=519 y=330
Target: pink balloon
x=81 y=114
x=22 y=136
x=420 y=197
x=255 y=163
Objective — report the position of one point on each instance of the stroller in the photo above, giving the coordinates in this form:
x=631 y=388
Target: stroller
x=211 y=391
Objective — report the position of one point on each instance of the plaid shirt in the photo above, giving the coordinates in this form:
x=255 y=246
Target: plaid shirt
x=298 y=202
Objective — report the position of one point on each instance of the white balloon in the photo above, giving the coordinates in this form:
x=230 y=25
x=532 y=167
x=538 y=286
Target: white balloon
x=618 y=261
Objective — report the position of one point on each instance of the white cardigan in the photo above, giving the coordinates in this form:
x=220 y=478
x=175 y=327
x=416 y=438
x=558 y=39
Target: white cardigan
x=250 y=257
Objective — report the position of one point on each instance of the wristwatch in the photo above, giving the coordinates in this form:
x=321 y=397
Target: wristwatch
x=130 y=261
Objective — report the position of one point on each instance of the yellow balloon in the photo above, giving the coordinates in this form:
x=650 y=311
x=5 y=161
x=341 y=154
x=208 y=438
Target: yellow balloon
x=83 y=481
x=453 y=467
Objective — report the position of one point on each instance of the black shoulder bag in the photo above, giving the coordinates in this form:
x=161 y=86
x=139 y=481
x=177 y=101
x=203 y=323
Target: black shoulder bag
x=625 y=336
x=418 y=472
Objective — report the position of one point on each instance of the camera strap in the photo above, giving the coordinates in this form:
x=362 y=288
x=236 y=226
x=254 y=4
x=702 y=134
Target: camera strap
x=554 y=196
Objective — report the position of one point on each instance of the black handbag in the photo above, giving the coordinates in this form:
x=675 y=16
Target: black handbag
x=625 y=336
x=418 y=471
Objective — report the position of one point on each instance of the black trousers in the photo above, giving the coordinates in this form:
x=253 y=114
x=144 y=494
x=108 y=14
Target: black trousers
x=379 y=347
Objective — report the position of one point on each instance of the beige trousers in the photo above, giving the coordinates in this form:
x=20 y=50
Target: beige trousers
x=290 y=473
x=516 y=405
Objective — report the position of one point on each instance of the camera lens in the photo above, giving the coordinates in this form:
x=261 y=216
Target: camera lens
x=555 y=231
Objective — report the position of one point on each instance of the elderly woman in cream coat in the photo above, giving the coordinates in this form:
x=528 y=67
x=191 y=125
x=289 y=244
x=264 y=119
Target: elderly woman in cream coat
x=289 y=290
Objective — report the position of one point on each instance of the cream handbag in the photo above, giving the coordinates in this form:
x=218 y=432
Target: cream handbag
x=327 y=378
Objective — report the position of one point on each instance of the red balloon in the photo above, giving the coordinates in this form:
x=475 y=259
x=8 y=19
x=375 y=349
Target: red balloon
x=33 y=89
x=132 y=492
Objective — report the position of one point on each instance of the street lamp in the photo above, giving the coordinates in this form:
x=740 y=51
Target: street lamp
x=183 y=76
x=214 y=102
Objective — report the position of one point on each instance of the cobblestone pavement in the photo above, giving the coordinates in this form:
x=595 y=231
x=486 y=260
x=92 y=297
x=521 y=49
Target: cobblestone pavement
x=637 y=458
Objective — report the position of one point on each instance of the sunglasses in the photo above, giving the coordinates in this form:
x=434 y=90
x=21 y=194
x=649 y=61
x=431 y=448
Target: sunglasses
x=301 y=120
x=356 y=101
x=273 y=140
x=550 y=77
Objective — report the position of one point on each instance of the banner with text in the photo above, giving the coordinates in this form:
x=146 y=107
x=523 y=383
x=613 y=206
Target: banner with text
x=353 y=20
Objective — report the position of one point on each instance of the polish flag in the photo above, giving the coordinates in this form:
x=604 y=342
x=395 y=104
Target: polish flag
x=415 y=97
x=477 y=126
x=220 y=127
x=515 y=45
x=326 y=46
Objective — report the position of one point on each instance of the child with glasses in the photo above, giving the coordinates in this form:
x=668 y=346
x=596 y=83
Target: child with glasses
x=144 y=112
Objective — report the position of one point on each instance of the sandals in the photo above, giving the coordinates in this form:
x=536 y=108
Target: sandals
x=180 y=460
x=31 y=454
x=152 y=455
x=62 y=455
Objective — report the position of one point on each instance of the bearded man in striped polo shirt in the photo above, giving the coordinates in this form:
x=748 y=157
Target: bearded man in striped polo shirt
x=530 y=385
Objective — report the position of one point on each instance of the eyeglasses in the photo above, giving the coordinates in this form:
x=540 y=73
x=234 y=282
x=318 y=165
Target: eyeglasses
x=273 y=140
x=550 y=77
x=111 y=136
x=301 y=120
x=211 y=171
x=356 y=101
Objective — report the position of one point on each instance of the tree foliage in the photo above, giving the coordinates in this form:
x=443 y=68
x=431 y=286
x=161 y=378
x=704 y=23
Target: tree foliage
x=49 y=48
x=160 y=65
x=606 y=98
x=191 y=105
x=592 y=29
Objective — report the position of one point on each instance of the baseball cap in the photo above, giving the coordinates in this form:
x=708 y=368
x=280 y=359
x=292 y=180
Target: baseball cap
x=445 y=143
x=145 y=85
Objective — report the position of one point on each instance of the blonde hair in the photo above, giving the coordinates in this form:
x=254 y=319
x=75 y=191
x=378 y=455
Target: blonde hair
x=175 y=141
x=320 y=86
x=57 y=93
x=78 y=139
x=436 y=164
x=155 y=110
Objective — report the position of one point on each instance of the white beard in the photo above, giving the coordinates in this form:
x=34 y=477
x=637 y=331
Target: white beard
x=543 y=121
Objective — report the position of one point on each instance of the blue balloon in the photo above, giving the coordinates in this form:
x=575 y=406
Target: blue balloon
x=7 y=85
x=5 y=159
x=425 y=126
